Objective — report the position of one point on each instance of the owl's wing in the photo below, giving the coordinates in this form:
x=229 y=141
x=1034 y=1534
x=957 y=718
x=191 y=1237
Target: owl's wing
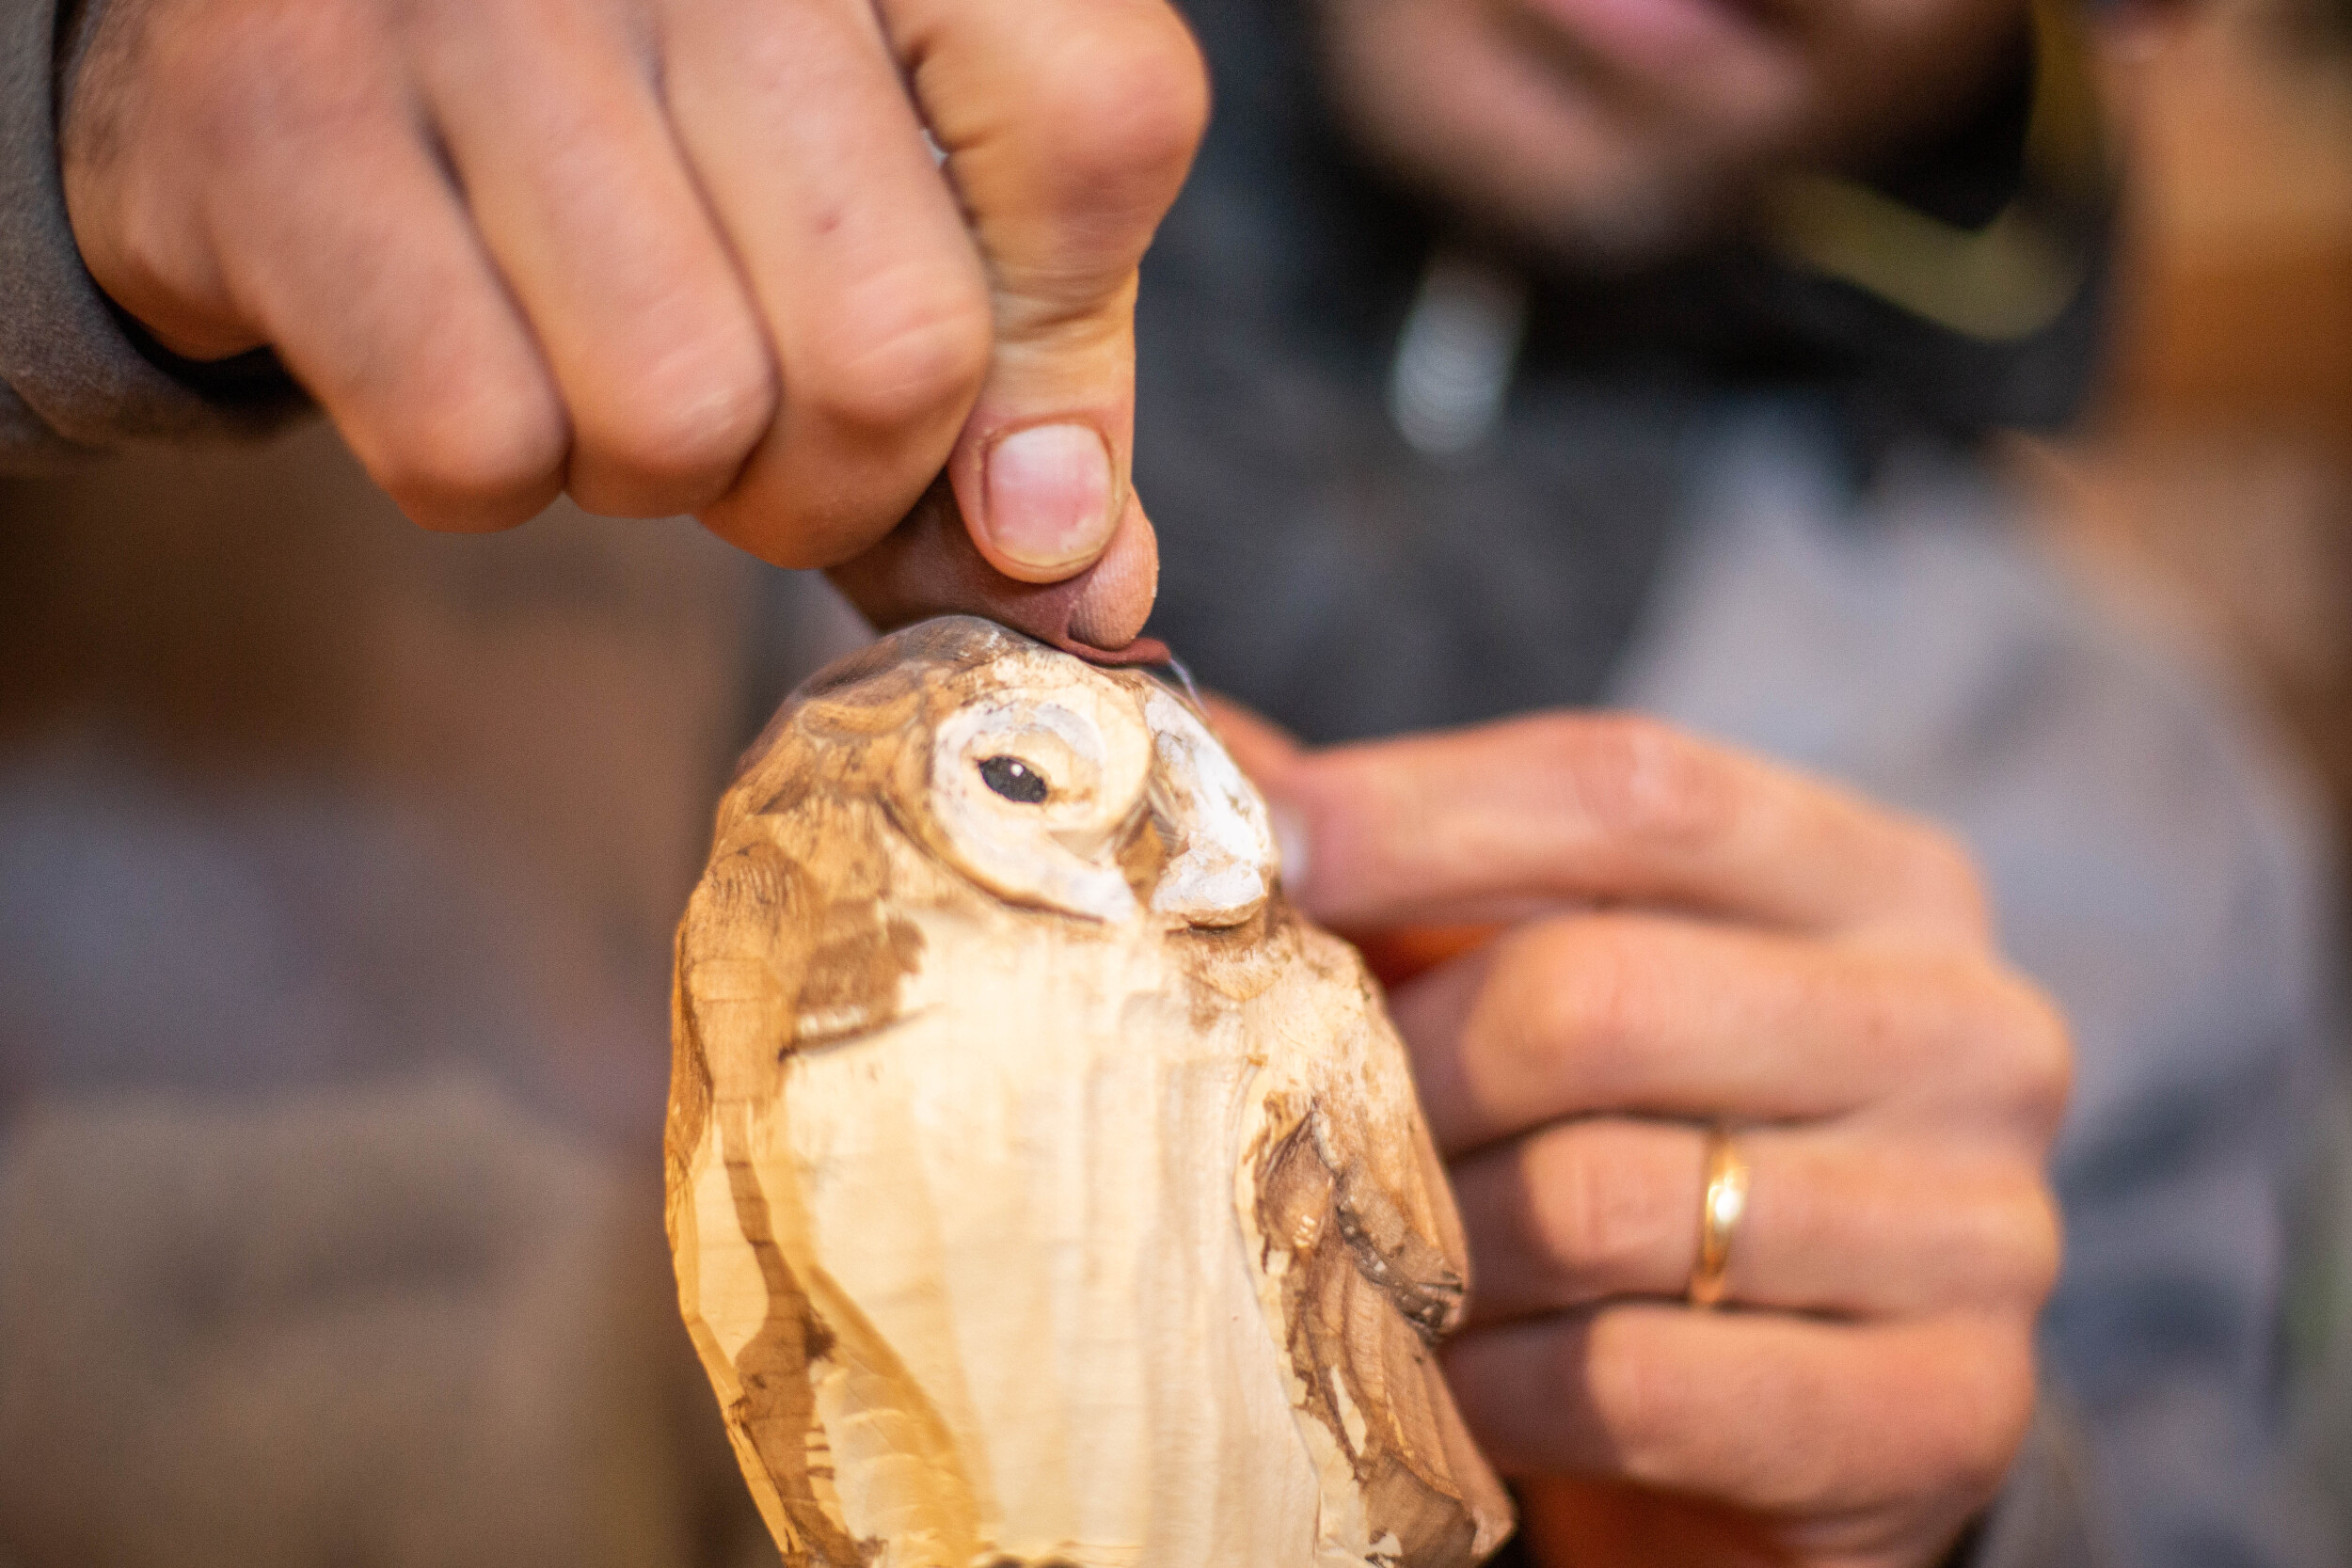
x=730 y=988
x=762 y=972
x=1377 y=1272
x=745 y=1311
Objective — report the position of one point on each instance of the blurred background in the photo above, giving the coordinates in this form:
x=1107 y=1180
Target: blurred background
x=339 y=863
x=2210 y=487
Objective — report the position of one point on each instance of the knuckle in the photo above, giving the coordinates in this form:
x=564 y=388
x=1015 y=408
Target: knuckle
x=1128 y=102
x=738 y=518
x=915 y=355
x=697 y=417
x=773 y=512
x=1997 y=1043
x=1595 y=1217
x=1643 y=780
x=1970 y=1428
x=152 y=243
x=2049 y=1075
x=146 y=248
x=2008 y=1242
x=2039 y=1237
x=1585 y=994
x=493 y=467
x=2031 y=1052
x=1637 y=1394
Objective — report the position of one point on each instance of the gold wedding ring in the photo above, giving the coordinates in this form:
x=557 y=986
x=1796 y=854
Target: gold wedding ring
x=1720 y=1208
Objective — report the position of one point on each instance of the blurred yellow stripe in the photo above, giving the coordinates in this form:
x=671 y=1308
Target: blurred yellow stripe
x=2006 y=280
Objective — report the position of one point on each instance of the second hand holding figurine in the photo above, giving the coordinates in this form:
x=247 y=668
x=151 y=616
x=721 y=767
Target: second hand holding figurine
x=1688 y=938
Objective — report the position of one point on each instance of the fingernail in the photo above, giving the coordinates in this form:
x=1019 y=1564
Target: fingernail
x=1049 y=495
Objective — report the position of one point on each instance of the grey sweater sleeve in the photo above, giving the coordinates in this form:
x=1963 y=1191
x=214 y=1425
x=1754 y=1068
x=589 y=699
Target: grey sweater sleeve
x=74 y=377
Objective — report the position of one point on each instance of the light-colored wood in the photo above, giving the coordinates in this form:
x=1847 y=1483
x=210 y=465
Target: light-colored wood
x=1043 y=1189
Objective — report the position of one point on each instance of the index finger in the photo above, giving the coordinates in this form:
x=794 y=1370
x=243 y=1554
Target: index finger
x=1579 y=809
x=1655 y=1016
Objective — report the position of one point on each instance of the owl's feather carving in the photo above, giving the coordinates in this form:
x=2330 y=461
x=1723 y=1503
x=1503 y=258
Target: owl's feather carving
x=1045 y=1190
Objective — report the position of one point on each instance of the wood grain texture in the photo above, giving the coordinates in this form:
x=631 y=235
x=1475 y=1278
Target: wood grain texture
x=1043 y=1189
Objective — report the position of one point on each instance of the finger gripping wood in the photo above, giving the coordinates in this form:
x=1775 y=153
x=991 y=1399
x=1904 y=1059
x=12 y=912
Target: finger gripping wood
x=1043 y=1189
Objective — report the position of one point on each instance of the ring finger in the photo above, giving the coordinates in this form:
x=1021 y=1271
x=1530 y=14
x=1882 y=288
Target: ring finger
x=1834 y=1224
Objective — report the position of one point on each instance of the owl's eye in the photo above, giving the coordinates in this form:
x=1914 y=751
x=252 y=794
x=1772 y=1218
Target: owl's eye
x=1034 y=782
x=1014 y=780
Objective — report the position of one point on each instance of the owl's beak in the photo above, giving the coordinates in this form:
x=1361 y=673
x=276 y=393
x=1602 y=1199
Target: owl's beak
x=1223 y=859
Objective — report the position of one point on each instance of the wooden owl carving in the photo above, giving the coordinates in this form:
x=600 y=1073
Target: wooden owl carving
x=1043 y=1190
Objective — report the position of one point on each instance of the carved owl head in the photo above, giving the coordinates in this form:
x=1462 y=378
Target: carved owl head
x=1050 y=784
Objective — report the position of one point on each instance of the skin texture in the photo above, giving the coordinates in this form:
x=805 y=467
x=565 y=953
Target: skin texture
x=668 y=255
x=1686 y=935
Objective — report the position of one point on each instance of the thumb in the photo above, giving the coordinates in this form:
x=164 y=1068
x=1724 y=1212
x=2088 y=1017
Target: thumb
x=1068 y=127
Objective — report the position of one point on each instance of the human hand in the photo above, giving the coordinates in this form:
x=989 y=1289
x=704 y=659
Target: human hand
x=1696 y=936
x=670 y=255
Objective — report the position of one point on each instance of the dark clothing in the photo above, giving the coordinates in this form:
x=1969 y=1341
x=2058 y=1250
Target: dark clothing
x=1319 y=568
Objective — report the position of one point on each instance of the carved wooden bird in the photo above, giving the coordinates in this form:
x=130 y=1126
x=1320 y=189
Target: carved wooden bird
x=1043 y=1189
